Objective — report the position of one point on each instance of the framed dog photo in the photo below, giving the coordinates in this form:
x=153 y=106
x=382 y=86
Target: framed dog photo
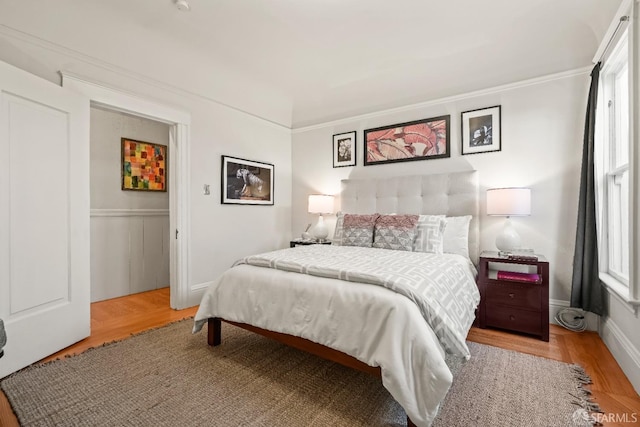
x=246 y=182
x=344 y=149
x=481 y=130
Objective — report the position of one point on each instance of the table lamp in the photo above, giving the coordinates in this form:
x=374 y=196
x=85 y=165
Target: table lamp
x=320 y=204
x=508 y=202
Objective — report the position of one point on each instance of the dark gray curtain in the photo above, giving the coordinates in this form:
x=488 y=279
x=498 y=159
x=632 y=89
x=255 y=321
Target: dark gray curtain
x=587 y=291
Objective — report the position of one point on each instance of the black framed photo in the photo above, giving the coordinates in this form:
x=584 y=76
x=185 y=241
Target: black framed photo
x=418 y=140
x=246 y=182
x=344 y=149
x=481 y=130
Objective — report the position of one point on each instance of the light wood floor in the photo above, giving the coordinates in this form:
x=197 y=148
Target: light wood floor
x=119 y=318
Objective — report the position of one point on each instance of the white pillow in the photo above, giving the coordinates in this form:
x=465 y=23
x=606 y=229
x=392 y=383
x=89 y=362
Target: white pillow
x=339 y=230
x=456 y=235
x=430 y=234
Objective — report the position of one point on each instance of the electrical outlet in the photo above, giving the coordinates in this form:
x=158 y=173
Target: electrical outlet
x=206 y=190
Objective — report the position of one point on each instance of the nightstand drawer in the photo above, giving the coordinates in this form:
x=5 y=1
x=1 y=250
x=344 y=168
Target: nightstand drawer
x=514 y=319
x=523 y=296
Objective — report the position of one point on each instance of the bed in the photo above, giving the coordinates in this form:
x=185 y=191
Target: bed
x=298 y=296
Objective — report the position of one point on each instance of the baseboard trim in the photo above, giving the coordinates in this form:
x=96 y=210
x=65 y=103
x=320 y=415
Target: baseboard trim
x=196 y=292
x=200 y=286
x=555 y=305
x=623 y=350
x=128 y=212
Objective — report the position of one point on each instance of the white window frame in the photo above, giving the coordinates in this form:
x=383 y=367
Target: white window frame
x=628 y=292
x=616 y=63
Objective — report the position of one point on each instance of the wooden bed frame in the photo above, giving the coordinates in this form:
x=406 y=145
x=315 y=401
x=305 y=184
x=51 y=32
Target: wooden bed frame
x=214 y=338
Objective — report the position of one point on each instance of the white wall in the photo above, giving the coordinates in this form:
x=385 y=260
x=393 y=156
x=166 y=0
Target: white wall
x=542 y=127
x=107 y=127
x=129 y=229
x=220 y=234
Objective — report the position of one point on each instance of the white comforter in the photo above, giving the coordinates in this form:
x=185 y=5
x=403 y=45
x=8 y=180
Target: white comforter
x=371 y=323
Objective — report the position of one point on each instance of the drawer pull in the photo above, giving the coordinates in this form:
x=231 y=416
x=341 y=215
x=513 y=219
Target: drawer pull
x=512 y=295
x=512 y=317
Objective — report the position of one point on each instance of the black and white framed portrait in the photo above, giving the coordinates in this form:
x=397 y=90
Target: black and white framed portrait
x=481 y=130
x=344 y=149
x=246 y=182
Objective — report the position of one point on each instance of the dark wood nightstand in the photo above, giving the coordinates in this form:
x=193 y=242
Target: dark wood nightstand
x=519 y=303
x=300 y=242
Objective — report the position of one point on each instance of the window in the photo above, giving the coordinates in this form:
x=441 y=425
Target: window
x=615 y=162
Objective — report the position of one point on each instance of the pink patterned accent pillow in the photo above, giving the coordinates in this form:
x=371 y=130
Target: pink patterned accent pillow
x=395 y=232
x=357 y=230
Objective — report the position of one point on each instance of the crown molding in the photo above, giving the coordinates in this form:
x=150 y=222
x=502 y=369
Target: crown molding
x=45 y=44
x=448 y=99
x=138 y=77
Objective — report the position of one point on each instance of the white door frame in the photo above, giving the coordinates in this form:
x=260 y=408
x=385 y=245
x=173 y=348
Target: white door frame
x=179 y=162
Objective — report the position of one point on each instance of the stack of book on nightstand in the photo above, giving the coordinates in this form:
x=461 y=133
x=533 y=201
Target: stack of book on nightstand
x=519 y=277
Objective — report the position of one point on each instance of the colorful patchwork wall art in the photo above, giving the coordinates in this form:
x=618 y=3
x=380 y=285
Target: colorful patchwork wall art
x=144 y=166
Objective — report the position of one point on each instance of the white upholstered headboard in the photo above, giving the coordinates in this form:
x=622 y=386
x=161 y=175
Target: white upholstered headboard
x=451 y=194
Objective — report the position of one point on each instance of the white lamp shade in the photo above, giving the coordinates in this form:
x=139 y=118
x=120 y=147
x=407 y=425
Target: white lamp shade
x=320 y=204
x=509 y=201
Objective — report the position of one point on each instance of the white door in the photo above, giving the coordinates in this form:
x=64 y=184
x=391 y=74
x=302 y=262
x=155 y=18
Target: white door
x=44 y=217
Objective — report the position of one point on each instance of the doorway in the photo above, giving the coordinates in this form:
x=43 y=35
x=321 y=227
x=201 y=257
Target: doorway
x=130 y=251
x=178 y=121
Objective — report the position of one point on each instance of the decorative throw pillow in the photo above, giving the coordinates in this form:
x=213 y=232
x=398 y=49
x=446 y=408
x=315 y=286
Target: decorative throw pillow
x=358 y=230
x=430 y=234
x=456 y=235
x=339 y=230
x=395 y=232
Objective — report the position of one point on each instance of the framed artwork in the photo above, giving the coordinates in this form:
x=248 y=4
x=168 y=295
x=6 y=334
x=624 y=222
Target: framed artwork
x=481 y=130
x=144 y=165
x=404 y=142
x=344 y=149
x=246 y=182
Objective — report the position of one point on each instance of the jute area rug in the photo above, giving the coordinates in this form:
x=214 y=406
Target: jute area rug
x=169 y=377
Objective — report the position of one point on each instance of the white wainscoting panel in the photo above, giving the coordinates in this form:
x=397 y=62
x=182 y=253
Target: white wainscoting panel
x=109 y=257
x=129 y=251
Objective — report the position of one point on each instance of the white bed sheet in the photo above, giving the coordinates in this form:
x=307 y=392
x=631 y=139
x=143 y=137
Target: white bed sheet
x=384 y=329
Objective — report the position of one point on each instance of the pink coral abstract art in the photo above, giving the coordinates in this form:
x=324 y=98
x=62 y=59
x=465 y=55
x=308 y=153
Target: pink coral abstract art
x=418 y=140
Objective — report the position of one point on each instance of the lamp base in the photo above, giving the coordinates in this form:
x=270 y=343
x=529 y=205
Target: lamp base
x=508 y=240
x=320 y=231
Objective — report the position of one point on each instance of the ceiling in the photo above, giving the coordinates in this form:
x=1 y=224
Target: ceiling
x=339 y=58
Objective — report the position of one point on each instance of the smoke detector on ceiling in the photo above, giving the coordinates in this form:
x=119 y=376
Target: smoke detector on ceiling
x=183 y=5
